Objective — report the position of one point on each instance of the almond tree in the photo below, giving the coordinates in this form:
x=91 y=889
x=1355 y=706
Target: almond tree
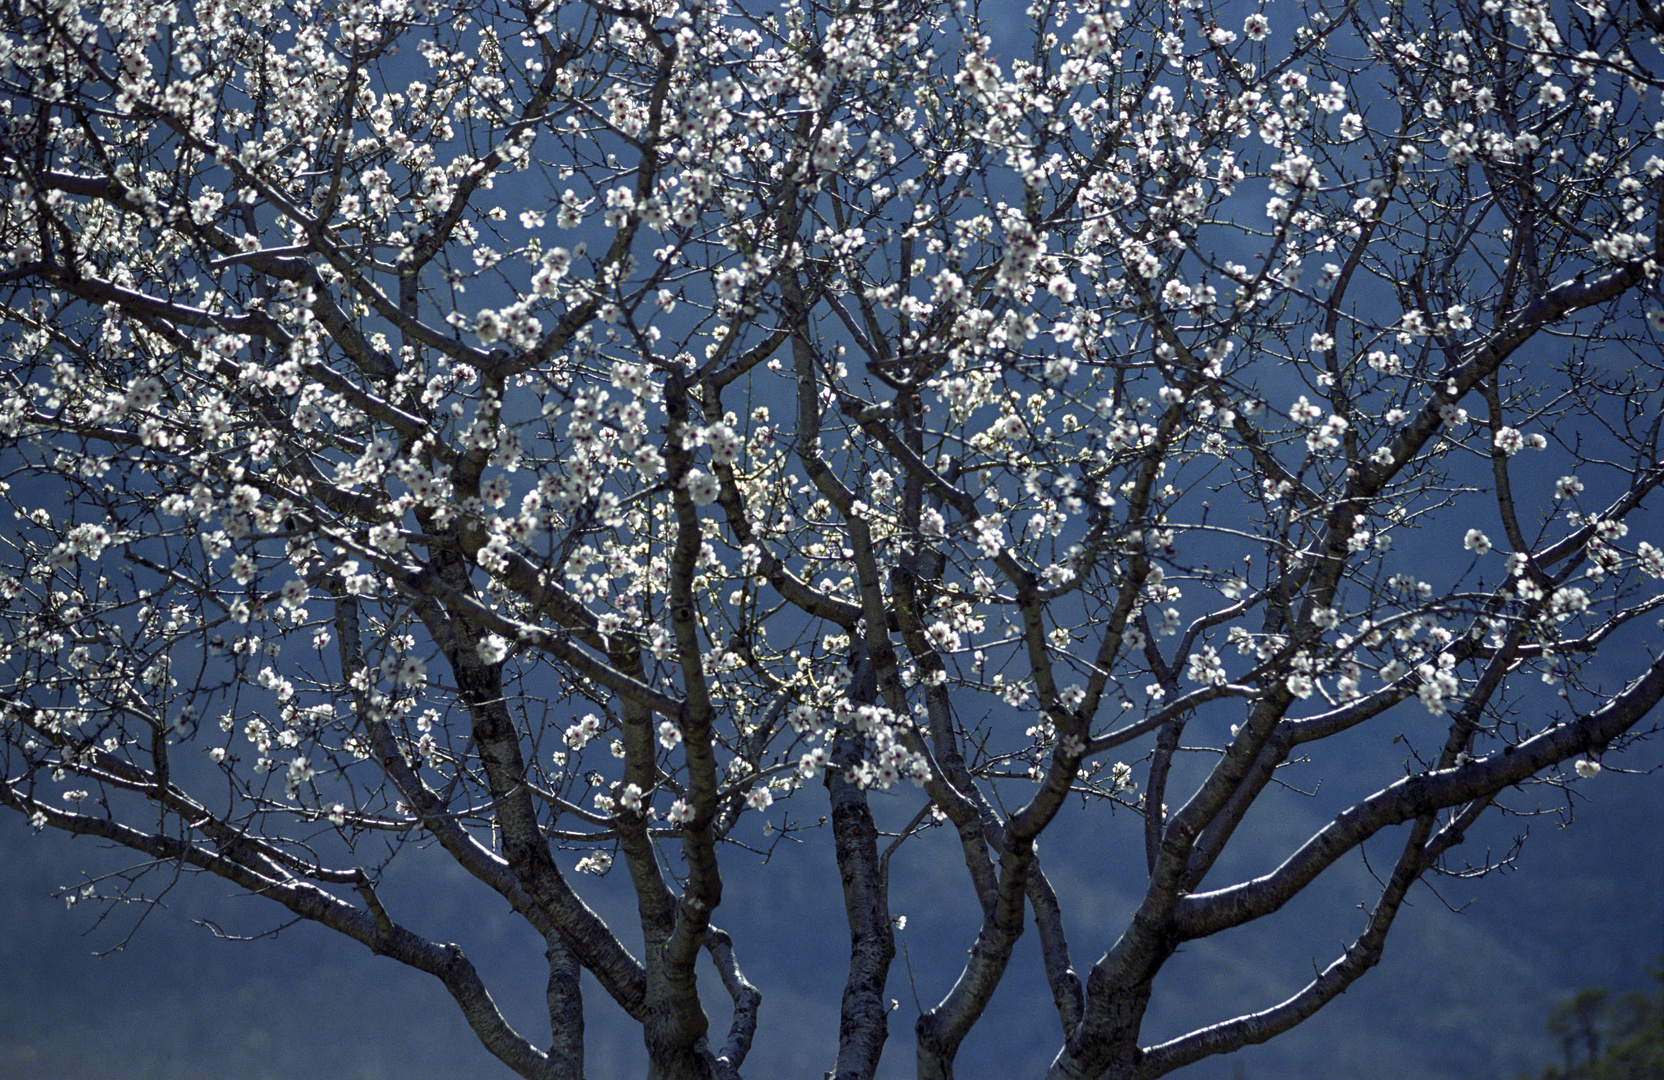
x=565 y=433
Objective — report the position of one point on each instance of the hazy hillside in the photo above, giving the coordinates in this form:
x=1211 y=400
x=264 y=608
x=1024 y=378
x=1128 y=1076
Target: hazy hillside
x=1458 y=997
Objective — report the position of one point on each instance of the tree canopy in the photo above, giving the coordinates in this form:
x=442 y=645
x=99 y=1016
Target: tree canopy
x=585 y=437
x=1604 y=1037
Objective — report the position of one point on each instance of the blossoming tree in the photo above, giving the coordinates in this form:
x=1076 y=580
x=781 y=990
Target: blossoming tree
x=566 y=432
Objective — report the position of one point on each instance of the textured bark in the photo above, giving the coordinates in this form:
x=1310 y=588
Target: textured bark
x=864 y=1014
x=566 y=1012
